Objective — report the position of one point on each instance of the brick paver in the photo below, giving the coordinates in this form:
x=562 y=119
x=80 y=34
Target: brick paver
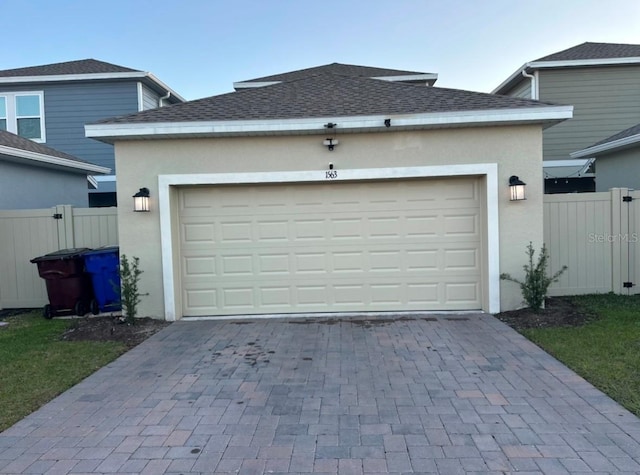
x=423 y=394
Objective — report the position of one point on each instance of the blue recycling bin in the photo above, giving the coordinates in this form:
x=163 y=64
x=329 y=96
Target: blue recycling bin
x=103 y=266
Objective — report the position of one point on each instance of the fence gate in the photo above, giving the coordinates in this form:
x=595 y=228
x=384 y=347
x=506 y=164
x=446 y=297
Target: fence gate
x=633 y=241
x=597 y=236
x=25 y=234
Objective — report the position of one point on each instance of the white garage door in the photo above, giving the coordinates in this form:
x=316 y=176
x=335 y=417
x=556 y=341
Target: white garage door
x=331 y=247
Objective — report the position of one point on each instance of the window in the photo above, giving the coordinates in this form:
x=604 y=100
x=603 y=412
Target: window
x=3 y=113
x=23 y=114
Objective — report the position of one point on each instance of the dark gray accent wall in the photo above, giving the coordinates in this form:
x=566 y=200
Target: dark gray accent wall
x=521 y=90
x=69 y=106
x=618 y=170
x=150 y=99
x=606 y=100
x=29 y=187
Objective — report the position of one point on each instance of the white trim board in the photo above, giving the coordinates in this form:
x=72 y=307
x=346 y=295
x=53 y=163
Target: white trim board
x=53 y=160
x=226 y=128
x=488 y=170
x=573 y=63
x=607 y=147
x=90 y=77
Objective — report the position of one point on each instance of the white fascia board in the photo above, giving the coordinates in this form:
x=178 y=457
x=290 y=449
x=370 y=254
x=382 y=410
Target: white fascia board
x=162 y=85
x=565 y=163
x=517 y=74
x=607 y=147
x=317 y=125
x=409 y=77
x=254 y=84
x=91 y=77
x=73 y=77
x=51 y=160
x=575 y=63
x=93 y=183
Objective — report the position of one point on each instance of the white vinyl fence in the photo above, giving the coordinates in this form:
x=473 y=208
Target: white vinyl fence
x=25 y=234
x=596 y=235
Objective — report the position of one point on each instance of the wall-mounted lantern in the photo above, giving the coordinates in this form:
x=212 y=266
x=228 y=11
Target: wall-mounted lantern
x=516 y=187
x=141 y=200
x=330 y=143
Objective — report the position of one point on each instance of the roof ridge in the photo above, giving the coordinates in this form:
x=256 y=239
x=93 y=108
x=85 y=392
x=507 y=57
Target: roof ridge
x=72 y=67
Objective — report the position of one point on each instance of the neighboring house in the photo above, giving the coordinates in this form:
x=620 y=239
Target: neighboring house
x=50 y=105
x=601 y=81
x=33 y=175
x=618 y=159
x=333 y=189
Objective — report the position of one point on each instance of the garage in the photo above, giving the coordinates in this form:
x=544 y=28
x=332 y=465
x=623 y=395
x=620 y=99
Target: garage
x=332 y=189
x=349 y=246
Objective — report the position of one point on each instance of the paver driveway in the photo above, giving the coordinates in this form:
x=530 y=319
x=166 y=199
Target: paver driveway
x=445 y=394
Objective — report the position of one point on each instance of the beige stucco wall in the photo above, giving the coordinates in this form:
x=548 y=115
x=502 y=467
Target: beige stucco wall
x=517 y=150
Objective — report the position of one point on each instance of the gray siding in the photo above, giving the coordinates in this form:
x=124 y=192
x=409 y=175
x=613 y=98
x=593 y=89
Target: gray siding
x=618 y=170
x=149 y=98
x=521 y=90
x=30 y=187
x=605 y=100
x=69 y=106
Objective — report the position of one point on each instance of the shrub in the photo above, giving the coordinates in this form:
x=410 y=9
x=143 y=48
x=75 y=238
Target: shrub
x=536 y=281
x=129 y=278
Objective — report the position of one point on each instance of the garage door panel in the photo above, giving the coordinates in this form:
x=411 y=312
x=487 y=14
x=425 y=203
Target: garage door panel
x=462 y=292
x=461 y=225
x=273 y=230
x=363 y=246
x=274 y=264
x=200 y=266
x=462 y=259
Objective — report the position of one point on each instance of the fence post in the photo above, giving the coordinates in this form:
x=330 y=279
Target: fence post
x=619 y=244
x=64 y=217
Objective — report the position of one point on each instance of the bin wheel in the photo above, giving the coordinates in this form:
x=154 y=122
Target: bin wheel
x=94 y=307
x=80 y=308
x=47 y=312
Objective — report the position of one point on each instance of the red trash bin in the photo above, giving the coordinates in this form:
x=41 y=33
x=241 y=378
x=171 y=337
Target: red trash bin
x=68 y=285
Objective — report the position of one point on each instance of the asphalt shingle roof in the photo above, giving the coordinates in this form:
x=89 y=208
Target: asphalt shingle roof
x=635 y=130
x=8 y=139
x=327 y=95
x=595 y=51
x=82 y=66
x=336 y=68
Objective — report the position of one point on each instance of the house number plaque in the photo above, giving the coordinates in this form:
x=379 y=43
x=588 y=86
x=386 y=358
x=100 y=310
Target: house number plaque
x=331 y=174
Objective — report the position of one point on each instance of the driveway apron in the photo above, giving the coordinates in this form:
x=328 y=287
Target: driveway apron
x=451 y=394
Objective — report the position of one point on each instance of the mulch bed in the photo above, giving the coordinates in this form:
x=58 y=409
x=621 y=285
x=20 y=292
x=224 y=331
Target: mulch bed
x=558 y=312
x=113 y=329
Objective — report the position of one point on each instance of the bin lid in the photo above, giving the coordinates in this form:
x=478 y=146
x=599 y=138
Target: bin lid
x=103 y=250
x=62 y=254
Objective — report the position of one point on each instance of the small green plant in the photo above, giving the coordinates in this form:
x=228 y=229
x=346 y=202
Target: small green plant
x=536 y=280
x=129 y=279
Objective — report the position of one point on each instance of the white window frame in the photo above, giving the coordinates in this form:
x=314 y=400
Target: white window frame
x=4 y=117
x=12 y=117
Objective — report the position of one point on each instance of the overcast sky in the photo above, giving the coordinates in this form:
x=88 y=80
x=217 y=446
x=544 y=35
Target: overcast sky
x=200 y=47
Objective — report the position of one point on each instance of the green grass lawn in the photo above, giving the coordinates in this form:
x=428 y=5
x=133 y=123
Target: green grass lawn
x=605 y=351
x=35 y=366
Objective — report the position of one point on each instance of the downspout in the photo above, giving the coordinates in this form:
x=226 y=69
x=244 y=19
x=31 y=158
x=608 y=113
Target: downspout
x=534 y=83
x=163 y=98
